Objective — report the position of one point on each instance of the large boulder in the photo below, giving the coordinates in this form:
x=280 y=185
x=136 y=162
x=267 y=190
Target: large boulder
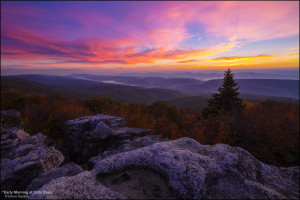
x=86 y=137
x=70 y=169
x=23 y=158
x=196 y=171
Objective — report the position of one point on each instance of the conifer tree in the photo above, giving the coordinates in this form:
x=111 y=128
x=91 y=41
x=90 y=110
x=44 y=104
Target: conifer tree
x=227 y=99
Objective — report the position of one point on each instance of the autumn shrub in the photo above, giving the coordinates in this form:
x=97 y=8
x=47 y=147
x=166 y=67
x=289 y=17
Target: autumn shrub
x=13 y=99
x=272 y=127
x=103 y=105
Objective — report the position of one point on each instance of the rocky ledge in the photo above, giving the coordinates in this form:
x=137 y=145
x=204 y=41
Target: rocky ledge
x=127 y=163
x=86 y=137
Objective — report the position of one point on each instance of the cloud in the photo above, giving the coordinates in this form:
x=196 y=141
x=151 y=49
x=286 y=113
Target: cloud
x=189 y=61
x=286 y=60
x=234 y=59
x=247 y=21
x=168 y=38
x=146 y=32
x=23 y=44
x=252 y=21
x=293 y=48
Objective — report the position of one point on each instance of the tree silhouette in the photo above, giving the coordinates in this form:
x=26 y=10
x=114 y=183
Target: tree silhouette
x=227 y=99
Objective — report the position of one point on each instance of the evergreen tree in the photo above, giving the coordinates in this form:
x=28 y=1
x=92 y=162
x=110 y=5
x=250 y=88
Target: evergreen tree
x=227 y=99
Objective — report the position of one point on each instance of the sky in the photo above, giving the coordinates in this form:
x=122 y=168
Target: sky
x=132 y=36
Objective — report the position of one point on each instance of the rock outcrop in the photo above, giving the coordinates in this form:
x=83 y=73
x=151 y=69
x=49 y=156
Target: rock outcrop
x=136 y=166
x=25 y=160
x=24 y=157
x=180 y=169
x=86 y=137
x=196 y=171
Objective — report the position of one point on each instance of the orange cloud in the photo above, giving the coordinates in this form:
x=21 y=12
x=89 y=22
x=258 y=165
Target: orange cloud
x=234 y=59
x=293 y=48
x=259 y=61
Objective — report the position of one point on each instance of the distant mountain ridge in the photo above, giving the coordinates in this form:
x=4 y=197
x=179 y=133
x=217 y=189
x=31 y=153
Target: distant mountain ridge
x=78 y=88
x=191 y=86
x=147 y=82
x=263 y=74
x=267 y=87
x=182 y=92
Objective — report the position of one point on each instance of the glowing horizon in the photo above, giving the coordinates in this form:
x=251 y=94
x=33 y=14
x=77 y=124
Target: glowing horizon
x=153 y=36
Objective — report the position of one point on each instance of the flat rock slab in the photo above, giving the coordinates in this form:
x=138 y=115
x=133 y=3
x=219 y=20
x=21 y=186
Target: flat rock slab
x=90 y=122
x=127 y=132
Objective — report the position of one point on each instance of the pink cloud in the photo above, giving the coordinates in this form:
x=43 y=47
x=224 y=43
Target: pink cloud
x=24 y=44
x=168 y=38
x=241 y=21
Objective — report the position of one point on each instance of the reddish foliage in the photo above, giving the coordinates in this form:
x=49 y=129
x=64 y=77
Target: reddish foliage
x=269 y=130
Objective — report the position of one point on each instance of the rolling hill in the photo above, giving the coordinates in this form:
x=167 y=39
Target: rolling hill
x=78 y=88
x=147 y=82
x=186 y=92
x=195 y=87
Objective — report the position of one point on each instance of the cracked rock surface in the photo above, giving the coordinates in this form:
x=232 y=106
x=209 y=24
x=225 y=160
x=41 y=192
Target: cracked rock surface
x=23 y=160
x=81 y=186
x=196 y=171
x=23 y=157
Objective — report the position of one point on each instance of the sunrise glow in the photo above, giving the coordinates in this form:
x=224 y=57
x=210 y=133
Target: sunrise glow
x=137 y=36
